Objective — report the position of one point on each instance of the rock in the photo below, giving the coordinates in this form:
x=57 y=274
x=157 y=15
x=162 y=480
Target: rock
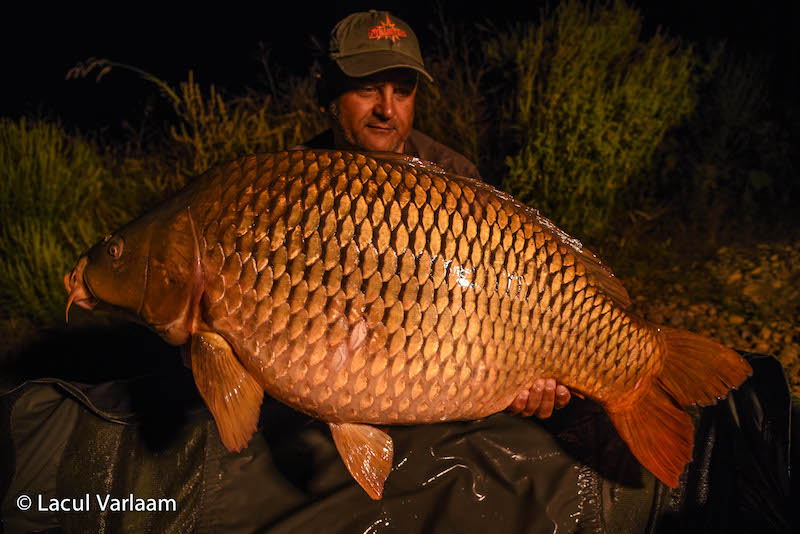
x=754 y=291
x=789 y=354
x=763 y=348
x=755 y=306
x=746 y=334
x=698 y=309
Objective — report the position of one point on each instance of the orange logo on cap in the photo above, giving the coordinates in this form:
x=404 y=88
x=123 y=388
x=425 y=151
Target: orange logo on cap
x=387 y=30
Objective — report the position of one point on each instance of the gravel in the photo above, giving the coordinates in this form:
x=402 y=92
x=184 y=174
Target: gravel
x=747 y=298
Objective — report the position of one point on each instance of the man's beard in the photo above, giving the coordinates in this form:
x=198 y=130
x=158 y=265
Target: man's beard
x=352 y=138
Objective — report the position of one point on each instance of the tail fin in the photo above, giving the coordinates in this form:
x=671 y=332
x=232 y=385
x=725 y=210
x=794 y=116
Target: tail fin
x=698 y=370
x=658 y=431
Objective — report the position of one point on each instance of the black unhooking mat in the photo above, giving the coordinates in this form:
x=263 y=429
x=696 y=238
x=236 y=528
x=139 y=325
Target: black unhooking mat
x=149 y=443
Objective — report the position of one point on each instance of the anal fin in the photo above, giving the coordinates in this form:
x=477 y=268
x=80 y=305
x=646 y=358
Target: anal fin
x=367 y=452
x=654 y=424
x=232 y=395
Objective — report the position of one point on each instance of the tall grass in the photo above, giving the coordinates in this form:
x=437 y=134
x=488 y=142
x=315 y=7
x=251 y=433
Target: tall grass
x=454 y=109
x=211 y=129
x=57 y=196
x=60 y=193
x=208 y=128
x=592 y=104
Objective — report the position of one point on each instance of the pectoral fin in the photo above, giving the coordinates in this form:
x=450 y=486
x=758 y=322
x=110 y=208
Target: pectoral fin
x=232 y=395
x=367 y=452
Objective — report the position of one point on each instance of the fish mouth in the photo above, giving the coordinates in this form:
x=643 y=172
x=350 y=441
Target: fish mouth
x=79 y=293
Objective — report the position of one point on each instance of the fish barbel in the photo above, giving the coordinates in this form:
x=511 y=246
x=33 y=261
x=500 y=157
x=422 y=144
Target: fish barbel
x=374 y=289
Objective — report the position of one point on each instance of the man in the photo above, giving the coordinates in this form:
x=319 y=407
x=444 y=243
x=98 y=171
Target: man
x=368 y=90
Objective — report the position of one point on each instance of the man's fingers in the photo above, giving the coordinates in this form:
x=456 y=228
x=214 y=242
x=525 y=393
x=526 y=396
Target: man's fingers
x=548 y=400
x=519 y=403
x=562 y=397
x=543 y=397
x=534 y=398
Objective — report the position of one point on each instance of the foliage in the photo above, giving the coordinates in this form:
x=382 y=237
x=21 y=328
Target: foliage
x=211 y=129
x=61 y=193
x=592 y=104
x=454 y=109
x=58 y=197
x=731 y=167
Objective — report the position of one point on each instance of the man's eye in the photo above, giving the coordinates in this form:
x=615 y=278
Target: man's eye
x=367 y=90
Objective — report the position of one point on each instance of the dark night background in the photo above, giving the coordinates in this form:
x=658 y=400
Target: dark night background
x=221 y=44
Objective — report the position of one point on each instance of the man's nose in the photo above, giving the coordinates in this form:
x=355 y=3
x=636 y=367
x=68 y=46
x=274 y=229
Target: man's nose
x=385 y=106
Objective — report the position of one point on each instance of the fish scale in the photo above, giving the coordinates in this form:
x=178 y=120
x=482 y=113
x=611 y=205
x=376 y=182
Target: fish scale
x=374 y=289
x=434 y=280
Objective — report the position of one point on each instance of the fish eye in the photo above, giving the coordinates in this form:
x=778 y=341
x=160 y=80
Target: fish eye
x=115 y=248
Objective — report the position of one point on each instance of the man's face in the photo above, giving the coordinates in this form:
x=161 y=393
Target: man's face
x=376 y=112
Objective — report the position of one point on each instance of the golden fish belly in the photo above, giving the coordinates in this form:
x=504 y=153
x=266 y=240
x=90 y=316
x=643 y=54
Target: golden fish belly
x=379 y=291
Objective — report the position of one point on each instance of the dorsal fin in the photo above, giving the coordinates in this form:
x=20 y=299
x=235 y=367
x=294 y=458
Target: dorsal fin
x=601 y=274
x=411 y=161
x=597 y=271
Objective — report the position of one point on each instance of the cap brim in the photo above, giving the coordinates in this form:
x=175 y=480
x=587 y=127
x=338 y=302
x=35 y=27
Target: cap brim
x=360 y=65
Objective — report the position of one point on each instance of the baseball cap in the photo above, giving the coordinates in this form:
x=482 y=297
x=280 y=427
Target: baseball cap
x=366 y=43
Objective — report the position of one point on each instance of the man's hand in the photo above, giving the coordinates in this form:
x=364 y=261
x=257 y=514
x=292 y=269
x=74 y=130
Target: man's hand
x=541 y=399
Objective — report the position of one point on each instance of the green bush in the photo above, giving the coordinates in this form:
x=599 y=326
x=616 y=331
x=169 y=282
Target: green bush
x=211 y=129
x=592 y=103
x=58 y=197
x=730 y=169
x=60 y=193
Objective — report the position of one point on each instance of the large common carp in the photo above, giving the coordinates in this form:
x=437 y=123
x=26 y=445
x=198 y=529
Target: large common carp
x=373 y=289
